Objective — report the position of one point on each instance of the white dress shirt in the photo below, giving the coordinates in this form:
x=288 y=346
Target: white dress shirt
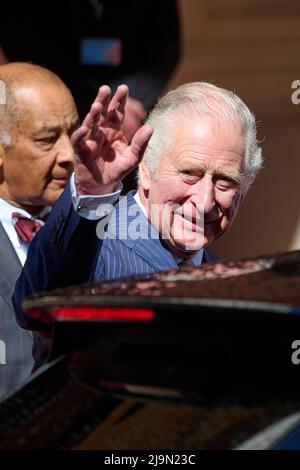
x=93 y=207
x=6 y=211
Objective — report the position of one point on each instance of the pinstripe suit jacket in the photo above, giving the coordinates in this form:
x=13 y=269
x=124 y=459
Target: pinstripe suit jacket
x=133 y=246
x=66 y=251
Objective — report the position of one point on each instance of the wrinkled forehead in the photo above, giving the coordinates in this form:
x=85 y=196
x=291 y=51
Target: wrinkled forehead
x=208 y=137
x=206 y=123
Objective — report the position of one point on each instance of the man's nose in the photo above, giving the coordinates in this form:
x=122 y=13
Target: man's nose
x=203 y=194
x=65 y=153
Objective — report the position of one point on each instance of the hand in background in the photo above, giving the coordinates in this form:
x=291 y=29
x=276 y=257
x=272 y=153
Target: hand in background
x=103 y=156
x=135 y=114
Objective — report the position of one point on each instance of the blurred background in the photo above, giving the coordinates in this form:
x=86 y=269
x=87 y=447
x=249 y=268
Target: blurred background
x=253 y=48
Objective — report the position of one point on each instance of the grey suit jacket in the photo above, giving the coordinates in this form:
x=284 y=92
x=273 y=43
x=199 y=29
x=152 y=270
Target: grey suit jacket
x=16 y=359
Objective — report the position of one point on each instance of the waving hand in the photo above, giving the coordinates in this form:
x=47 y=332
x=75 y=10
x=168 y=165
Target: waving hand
x=102 y=154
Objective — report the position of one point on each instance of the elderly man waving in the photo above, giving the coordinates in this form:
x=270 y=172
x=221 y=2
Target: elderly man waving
x=200 y=158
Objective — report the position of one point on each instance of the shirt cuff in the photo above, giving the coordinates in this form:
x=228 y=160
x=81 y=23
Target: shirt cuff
x=93 y=207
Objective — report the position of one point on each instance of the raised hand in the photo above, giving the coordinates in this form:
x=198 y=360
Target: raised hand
x=102 y=154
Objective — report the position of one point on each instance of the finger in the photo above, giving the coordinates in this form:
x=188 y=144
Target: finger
x=79 y=135
x=103 y=97
x=140 y=141
x=82 y=142
x=98 y=109
x=93 y=115
x=116 y=108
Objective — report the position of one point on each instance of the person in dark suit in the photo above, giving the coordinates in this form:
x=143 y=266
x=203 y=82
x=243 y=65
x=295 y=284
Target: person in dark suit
x=200 y=157
x=37 y=117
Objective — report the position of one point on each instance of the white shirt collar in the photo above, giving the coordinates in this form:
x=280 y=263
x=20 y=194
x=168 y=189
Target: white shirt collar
x=195 y=260
x=6 y=211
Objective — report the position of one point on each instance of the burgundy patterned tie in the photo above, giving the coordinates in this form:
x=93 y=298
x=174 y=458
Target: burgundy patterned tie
x=26 y=228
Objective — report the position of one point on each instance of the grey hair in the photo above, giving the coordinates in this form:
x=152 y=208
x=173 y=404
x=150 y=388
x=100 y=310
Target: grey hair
x=205 y=99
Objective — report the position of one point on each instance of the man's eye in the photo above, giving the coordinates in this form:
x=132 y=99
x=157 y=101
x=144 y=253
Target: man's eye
x=46 y=140
x=190 y=176
x=226 y=184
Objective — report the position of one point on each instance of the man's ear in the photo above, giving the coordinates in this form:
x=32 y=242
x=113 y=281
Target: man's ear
x=144 y=176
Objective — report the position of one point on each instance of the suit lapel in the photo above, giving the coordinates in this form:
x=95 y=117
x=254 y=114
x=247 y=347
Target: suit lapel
x=134 y=230
x=155 y=254
x=10 y=266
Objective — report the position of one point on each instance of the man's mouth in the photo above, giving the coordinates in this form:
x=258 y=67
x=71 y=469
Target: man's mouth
x=190 y=223
x=61 y=181
x=193 y=216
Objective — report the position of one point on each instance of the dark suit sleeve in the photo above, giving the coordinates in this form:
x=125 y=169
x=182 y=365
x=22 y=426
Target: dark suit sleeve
x=62 y=253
